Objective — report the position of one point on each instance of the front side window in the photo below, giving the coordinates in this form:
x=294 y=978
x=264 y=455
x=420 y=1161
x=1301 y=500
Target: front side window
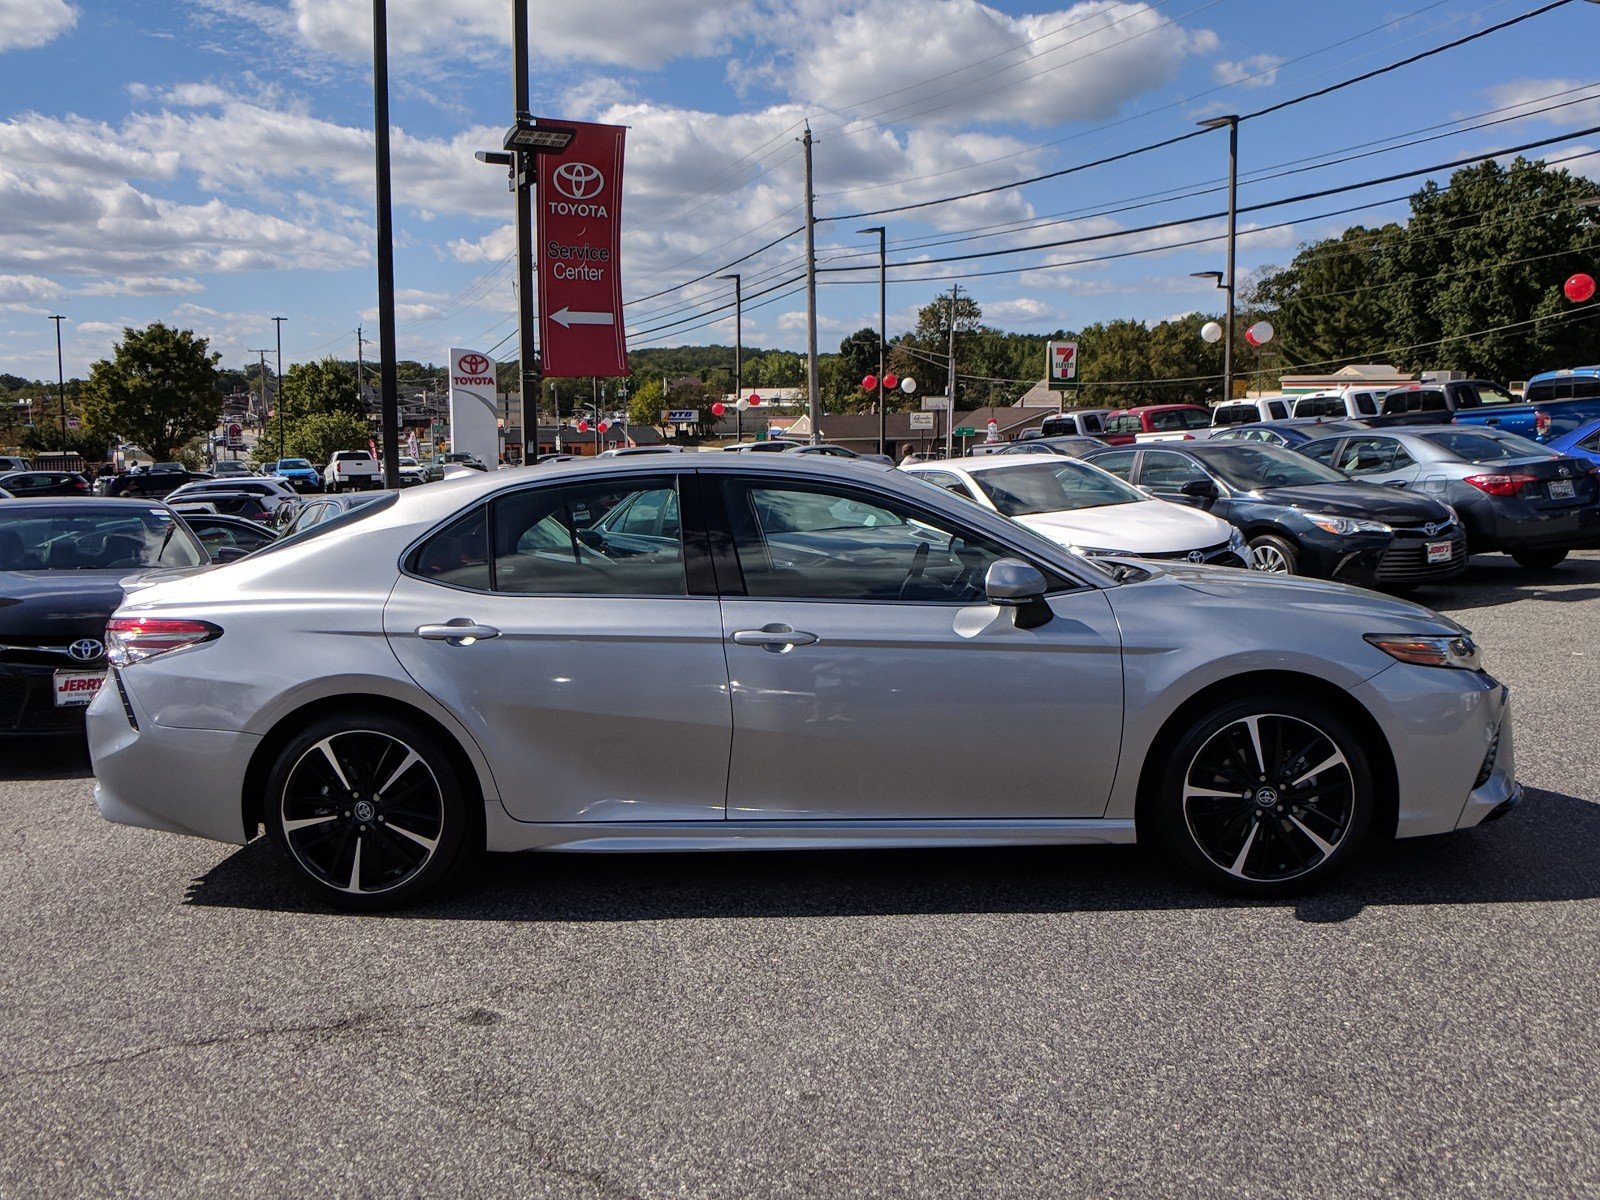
x=1119 y=463
x=1162 y=471
x=1371 y=456
x=816 y=542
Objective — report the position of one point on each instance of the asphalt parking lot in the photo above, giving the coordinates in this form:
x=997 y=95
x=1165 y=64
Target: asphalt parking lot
x=175 y=1020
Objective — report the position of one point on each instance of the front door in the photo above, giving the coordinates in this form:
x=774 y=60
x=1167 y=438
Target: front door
x=871 y=678
x=572 y=649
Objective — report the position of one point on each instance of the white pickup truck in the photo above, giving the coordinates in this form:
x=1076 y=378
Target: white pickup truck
x=351 y=470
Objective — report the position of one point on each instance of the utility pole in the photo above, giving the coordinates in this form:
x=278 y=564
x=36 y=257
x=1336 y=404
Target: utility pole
x=950 y=385
x=813 y=390
x=883 y=326
x=361 y=368
x=1231 y=123
x=262 y=358
x=277 y=391
x=61 y=392
x=738 y=355
x=522 y=175
x=388 y=374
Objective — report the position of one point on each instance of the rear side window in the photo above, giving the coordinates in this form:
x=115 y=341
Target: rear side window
x=1277 y=410
x=1429 y=400
x=1122 y=423
x=1366 y=404
x=1234 y=414
x=1585 y=388
x=1321 y=451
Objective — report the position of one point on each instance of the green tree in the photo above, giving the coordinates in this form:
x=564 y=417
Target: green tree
x=317 y=435
x=860 y=353
x=645 y=405
x=328 y=386
x=157 y=391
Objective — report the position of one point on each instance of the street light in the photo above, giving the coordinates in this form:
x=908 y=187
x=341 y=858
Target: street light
x=1231 y=124
x=738 y=353
x=61 y=393
x=883 y=325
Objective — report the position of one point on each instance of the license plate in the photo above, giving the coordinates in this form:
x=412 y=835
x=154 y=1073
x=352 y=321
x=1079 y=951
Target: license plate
x=1438 y=552
x=1561 y=489
x=74 y=689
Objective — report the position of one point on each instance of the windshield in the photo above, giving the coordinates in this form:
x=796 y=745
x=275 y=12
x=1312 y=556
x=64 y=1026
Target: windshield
x=1053 y=487
x=1249 y=467
x=361 y=506
x=97 y=541
x=293 y=464
x=1479 y=446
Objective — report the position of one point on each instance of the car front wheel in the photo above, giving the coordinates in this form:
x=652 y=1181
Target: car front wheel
x=1273 y=554
x=1265 y=796
x=1539 y=560
x=369 y=811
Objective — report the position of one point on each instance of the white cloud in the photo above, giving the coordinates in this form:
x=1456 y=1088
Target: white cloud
x=25 y=24
x=1525 y=95
x=1257 y=71
x=149 y=285
x=974 y=63
x=21 y=291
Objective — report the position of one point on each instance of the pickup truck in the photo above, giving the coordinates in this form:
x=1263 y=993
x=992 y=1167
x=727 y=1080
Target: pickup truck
x=1555 y=403
x=1439 y=403
x=351 y=469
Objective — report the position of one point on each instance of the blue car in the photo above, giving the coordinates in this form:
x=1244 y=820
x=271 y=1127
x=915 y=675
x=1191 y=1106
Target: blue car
x=297 y=473
x=1292 y=432
x=1582 y=442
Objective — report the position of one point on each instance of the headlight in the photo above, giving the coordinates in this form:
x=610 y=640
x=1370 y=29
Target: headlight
x=1345 y=526
x=1428 y=650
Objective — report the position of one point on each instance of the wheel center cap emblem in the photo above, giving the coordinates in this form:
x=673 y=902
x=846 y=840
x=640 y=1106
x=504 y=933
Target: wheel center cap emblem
x=365 y=811
x=1267 y=797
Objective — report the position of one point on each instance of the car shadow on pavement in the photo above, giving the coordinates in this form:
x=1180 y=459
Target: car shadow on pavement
x=1494 y=579
x=1545 y=851
x=45 y=758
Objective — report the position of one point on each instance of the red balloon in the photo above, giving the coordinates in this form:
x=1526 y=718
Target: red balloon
x=583 y=427
x=718 y=409
x=603 y=426
x=1250 y=336
x=1579 y=288
x=755 y=400
x=891 y=381
x=868 y=382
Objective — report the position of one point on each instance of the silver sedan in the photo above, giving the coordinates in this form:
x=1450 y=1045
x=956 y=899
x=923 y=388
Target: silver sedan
x=749 y=652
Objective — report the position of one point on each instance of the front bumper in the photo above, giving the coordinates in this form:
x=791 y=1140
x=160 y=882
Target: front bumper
x=28 y=700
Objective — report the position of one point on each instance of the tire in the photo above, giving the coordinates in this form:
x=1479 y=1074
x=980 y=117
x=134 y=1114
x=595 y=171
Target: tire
x=1274 y=555
x=1273 y=836
x=1538 y=560
x=347 y=842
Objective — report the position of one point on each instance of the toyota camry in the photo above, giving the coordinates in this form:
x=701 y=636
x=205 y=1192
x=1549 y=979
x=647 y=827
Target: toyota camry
x=773 y=651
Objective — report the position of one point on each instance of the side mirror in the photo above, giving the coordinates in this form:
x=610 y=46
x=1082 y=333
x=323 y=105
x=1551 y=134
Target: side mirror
x=1012 y=583
x=227 y=554
x=1200 y=489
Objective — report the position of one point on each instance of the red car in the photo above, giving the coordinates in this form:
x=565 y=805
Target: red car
x=1155 y=423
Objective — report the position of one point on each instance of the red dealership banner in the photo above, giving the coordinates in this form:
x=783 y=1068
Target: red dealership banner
x=578 y=255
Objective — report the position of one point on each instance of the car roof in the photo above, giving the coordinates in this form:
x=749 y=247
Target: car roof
x=72 y=504
x=987 y=462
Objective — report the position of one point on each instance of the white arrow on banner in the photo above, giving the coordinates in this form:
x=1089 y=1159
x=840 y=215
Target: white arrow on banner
x=566 y=318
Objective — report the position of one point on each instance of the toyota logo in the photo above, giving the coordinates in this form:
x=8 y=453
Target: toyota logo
x=1565 y=473
x=1196 y=556
x=1431 y=528
x=578 y=180
x=85 y=650
x=474 y=364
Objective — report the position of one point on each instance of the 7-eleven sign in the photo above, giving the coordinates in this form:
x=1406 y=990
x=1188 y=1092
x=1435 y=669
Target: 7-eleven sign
x=1063 y=363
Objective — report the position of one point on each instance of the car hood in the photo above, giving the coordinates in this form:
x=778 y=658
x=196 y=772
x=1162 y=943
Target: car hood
x=1368 y=500
x=1142 y=527
x=50 y=606
x=1315 y=597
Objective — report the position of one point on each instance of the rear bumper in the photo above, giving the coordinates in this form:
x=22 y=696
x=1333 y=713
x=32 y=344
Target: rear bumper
x=1512 y=524
x=182 y=781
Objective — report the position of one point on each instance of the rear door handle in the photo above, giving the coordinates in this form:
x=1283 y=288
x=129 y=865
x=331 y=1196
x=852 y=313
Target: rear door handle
x=774 y=637
x=460 y=631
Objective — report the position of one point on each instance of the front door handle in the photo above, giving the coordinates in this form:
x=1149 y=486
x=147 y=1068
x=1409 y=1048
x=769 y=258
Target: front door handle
x=458 y=631
x=777 y=638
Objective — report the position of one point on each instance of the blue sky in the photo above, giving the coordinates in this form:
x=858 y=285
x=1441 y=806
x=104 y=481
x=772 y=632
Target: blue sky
x=209 y=162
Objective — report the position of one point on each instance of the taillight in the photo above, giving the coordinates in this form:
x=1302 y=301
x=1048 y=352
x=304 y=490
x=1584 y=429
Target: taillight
x=133 y=639
x=79 y=485
x=1541 y=422
x=1501 y=485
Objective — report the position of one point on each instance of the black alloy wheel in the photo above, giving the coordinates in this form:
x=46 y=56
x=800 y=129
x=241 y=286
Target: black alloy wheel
x=369 y=811
x=1539 y=560
x=1273 y=555
x=1265 y=796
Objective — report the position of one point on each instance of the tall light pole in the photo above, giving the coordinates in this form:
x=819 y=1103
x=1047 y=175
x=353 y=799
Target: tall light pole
x=277 y=391
x=813 y=389
x=883 y=326
x=1227 y=361
x=388 y=375
x=1231 y=123
x=61 y=388
x=738 y=354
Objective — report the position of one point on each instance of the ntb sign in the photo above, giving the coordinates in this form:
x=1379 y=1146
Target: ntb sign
x=1062 y=363
x=578 y=206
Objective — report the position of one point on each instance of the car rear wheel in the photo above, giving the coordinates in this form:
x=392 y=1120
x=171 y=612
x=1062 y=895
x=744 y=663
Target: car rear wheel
x=1265 y=796
x=1273 y=554
x=1538 y=560
x=369 y=810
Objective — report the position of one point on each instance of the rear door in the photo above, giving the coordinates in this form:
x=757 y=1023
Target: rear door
x=587 y=663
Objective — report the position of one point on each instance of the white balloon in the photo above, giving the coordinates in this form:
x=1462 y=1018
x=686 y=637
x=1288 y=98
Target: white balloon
x=1211 y=331
x=908 y=385
x=742 y=404
x=1263 y=332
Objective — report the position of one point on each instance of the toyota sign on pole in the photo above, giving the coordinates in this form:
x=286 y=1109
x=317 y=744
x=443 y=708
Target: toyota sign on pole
x=474 y=420
x=579 y=244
